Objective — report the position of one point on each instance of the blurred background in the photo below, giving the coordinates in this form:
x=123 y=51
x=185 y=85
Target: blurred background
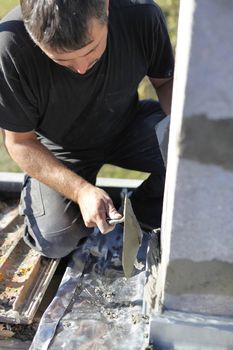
x=171 y=10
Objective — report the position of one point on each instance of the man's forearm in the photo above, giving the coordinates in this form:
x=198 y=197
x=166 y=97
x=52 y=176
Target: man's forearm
x=95 y=204
x=164 y=93
x=38 y=162
x=165 y=97
x=163 y=89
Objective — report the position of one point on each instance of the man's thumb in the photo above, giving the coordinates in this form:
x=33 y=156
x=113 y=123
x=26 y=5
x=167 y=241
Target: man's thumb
x=113 y=213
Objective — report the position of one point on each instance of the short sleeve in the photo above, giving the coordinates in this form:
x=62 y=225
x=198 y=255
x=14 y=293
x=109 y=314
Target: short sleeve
x=161 y=60
x=18 y=111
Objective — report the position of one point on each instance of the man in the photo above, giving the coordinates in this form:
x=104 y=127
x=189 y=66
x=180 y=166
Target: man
x=69 y=72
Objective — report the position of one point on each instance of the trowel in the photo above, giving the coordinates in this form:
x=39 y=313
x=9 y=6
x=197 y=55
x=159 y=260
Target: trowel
x=132 y=237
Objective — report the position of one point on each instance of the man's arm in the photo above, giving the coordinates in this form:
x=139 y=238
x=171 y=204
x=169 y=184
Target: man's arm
x=163 y=89
x=38 y=162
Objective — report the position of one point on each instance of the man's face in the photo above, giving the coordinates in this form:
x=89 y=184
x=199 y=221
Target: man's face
x=81 y=60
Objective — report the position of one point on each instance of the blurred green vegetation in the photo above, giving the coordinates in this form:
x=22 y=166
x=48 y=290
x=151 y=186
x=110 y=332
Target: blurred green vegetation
x=170 y=9
x=6 y=5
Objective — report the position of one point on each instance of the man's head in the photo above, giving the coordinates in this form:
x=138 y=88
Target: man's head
x=68 y=29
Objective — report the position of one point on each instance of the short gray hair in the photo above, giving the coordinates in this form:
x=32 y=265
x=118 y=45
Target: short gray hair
x=62 y=25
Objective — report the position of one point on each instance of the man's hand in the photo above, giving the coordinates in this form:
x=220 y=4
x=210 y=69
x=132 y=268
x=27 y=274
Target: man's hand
x=96 y=206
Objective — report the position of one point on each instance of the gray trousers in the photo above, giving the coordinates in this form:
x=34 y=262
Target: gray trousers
x=53 y=223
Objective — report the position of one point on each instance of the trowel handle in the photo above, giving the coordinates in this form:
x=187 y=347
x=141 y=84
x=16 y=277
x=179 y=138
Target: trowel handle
x=115 y=221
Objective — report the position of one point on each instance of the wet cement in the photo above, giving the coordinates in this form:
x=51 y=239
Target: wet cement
x=205 y=277
x=207 y=141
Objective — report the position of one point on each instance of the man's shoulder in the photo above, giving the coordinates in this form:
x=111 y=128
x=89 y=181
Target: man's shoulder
x=12 y=31
x=15 y=43
x=136 y=9
x=133 y=3
x=12 y=22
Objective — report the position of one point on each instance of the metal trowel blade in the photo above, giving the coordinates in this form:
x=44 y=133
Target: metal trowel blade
x=132 y=238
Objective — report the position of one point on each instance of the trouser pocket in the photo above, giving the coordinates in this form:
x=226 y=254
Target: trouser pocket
x=31 y=203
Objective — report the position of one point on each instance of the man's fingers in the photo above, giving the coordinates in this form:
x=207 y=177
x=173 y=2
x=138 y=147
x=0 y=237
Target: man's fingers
x=112 y=213
x=96 y=206
x=89 y=223
x=103 y=225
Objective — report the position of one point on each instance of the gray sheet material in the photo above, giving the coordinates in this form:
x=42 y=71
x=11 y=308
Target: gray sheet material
x=96 y=307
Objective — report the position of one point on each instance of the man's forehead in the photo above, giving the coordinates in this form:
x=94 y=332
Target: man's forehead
x=97 y=34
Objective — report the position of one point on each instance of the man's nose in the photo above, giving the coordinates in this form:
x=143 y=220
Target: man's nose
x=81 y=66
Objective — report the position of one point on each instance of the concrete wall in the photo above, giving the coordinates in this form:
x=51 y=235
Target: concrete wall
x=197 y=232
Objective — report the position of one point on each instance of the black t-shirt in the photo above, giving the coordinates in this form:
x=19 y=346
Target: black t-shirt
x=75 y=111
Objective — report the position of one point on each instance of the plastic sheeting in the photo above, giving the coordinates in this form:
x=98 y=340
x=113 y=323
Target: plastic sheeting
x=96 y=307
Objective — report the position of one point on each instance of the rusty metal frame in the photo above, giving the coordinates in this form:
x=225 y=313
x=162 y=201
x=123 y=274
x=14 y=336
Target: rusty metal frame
x=24 y=273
